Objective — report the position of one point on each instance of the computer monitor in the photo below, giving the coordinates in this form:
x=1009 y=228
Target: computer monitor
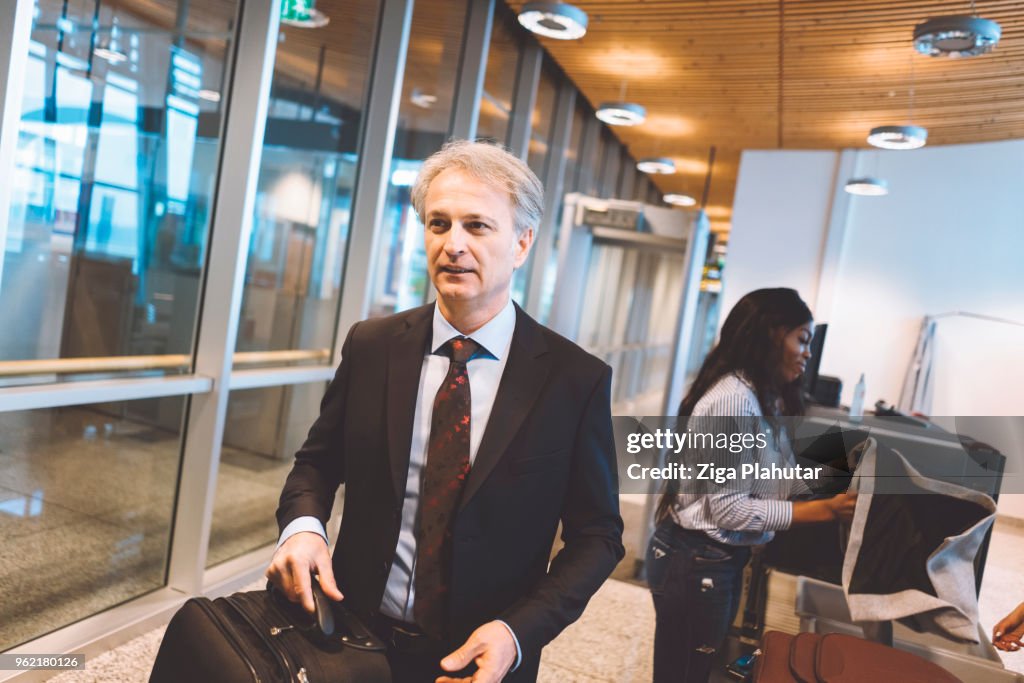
x=813 y=363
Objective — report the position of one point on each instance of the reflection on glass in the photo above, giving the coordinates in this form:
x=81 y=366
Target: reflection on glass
x=499 y=83
x=86 y=506
x=112 y=186
x=423 y=120
x=264 y=428
x=623 y=321
x=304 y=192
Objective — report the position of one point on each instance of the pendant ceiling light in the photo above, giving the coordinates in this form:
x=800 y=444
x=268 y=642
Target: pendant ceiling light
x=621 y=113
x=956 y=36
x=558 y=20
x=867 y=186
x=656 y=165
x=898 y=137
x=679 y=200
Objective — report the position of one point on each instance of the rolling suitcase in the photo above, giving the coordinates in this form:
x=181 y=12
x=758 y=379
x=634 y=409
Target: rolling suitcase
x=260 y=637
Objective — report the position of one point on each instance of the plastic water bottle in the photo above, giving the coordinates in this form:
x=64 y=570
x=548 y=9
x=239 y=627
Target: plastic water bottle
x=857 y=406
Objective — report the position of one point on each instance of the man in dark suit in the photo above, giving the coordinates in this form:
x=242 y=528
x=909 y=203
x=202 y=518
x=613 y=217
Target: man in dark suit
x=464 y=432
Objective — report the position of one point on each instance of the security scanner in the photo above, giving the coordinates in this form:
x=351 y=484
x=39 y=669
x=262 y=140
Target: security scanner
x=627 y=290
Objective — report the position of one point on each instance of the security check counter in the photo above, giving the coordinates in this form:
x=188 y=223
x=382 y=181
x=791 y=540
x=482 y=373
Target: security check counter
x=815 y=554
x=959 y=459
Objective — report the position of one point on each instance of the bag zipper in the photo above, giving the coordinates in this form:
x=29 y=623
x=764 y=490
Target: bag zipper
x=229 y=634
x=232 y=601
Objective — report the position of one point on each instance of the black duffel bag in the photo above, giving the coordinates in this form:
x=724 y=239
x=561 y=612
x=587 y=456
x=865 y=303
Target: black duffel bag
x=260 y=636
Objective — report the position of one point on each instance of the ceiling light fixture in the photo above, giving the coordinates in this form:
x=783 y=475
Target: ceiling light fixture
x=901 y=137
x=558 y=20
x=209 y=95
x=956 y=36
x=656 y=165
x=898 y=137
x=621 y=113
x=303 y=14
x=679 y=200
x=867 y=186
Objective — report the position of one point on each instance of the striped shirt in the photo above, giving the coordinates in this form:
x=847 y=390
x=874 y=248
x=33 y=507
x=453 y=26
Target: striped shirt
x=752 y=515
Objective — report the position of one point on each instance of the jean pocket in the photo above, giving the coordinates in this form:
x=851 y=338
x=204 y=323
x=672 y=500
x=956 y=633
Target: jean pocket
x=710 y=554
x=658 y=563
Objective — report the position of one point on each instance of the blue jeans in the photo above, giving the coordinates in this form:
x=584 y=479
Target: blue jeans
x=696 y=584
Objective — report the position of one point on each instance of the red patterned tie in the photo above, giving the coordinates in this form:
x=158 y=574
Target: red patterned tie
x=443 y=480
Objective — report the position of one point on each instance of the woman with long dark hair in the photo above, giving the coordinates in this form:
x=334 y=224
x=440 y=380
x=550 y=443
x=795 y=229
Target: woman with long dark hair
x=703 y=540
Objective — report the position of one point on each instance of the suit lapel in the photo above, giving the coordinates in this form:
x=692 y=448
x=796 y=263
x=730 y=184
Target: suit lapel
x=521 y=382
x=405 y=361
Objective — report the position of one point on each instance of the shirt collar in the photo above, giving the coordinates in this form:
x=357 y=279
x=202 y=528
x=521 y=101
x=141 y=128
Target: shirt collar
x=494 y=336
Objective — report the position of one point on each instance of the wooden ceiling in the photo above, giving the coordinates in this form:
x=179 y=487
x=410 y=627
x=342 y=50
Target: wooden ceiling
x=794 y=74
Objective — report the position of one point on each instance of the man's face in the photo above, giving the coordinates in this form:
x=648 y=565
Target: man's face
x=472 y=246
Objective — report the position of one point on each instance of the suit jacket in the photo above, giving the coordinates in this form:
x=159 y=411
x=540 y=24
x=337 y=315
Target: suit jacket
x=547 y=456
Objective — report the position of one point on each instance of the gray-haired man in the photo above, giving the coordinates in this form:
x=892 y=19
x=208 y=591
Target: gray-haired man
x=464 y=432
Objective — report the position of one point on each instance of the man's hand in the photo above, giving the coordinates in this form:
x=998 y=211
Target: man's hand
x=1008 y=633
x=295 y=561
x=492 y=648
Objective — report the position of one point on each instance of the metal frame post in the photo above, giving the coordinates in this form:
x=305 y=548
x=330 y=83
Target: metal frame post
x=588 y=155
x=241 y=152
x=544 y=240
x=628 y=176
x=521 y=126
x=610 y=172
x=13 y=62
x=469 y=87
x=374 y=166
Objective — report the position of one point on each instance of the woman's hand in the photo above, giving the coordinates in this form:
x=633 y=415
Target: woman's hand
x=843 y=506
x=840 y=507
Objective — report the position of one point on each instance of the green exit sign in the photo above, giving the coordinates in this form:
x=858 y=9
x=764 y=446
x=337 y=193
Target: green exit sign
x=296 y=10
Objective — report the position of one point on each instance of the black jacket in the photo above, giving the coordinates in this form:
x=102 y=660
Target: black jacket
x=547 y=455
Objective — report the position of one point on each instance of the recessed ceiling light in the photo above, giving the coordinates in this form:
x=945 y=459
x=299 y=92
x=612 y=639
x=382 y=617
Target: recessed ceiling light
x=311 y=18
x=679 y=199
x=621 y=113
x=956 y=36
x=656 y=165
x=898 y=137
x=558 y=20
x=209 y=95
x=867 y=186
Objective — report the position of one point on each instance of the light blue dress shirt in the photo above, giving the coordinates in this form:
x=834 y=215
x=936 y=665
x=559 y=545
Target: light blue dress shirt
x=485 y=372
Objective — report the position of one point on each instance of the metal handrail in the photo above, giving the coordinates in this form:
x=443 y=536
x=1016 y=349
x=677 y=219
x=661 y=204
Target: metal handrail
x=62 y=366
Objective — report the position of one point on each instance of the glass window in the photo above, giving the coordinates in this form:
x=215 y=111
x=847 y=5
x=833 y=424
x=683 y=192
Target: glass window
x=86 y=507
x=572 y=154
x=264 y=429
x=112 y=187
x=304 y=192
x=502 y=61
x=542 y=122
x=423 y=119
